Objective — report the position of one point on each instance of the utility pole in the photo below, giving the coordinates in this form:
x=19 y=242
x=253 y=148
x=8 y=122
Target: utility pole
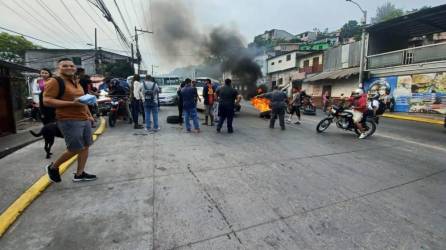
x=133 y=61
x=361 y=60
x=138 y=54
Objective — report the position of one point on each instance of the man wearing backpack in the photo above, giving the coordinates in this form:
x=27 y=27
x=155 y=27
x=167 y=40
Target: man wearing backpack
x=73 y=119
x=150 y=92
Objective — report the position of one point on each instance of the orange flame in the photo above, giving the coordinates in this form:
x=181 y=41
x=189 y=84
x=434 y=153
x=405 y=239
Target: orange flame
x=261 y=104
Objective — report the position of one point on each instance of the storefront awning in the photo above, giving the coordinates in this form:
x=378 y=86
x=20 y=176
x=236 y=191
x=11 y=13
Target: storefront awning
x=337 y=74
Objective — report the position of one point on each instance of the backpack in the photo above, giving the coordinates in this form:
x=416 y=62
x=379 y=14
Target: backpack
x=381 y=108
x=49 y=113
x=149 y=94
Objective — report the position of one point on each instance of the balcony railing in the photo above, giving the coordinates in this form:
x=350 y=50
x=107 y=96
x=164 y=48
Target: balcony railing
x=428 y=53
x=312 y=69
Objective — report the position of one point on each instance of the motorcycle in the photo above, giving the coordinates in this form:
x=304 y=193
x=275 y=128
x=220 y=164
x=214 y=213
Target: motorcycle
x=344 y=120
x=308 y=106
x=31 y=110
x=117 y=108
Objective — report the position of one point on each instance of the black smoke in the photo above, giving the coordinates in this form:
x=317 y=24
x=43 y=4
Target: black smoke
x=179 y=41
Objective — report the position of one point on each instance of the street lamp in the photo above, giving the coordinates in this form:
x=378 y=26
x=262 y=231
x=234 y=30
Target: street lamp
x=361 y=60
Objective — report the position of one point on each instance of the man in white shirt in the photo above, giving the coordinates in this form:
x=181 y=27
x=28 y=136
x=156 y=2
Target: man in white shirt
x=137 y=97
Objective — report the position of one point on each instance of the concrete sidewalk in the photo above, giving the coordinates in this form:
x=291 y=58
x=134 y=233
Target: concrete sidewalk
x=14 y=142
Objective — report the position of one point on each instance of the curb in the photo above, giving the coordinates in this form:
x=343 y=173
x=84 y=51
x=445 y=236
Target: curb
x=415 y=119
x=11 y=213
x=11 y=150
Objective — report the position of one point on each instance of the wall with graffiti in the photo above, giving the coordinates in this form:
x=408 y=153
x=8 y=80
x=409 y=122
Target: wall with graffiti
x=424 y=93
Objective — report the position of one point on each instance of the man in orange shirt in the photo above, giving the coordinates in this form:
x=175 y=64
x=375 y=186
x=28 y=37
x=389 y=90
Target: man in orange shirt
x=73 y=119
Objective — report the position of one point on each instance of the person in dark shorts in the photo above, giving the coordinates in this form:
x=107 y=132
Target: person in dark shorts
x=73 y=119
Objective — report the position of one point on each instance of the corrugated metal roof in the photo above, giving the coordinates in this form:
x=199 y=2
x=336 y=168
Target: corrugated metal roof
x=16 y=66
x=427 y=21
x=337 y=74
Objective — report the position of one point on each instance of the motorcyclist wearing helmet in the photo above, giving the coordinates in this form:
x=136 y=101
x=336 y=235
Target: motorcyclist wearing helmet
x=359 y=106
x=117 y=90
x=372 y=104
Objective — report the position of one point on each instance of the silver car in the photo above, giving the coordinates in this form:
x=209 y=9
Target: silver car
x=168 y=95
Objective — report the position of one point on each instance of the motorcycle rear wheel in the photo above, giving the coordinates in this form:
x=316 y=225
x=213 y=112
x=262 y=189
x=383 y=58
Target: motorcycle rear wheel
x=323 y=125
x=370 y=128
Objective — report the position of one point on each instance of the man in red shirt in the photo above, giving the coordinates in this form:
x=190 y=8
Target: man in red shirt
x=358 y=101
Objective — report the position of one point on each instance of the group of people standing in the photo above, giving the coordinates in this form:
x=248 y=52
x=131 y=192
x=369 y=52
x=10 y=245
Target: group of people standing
x=224 y=98
x=279 y=102
x=145 y=95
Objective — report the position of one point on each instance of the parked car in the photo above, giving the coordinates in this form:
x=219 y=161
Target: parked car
x=168 y=95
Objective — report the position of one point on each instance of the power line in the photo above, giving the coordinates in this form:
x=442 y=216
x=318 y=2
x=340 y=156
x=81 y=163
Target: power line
x=74 y=18
x=30 y=22
x=56 y=17
x=122 y=17
x=117 y=41
x=37 y=39
x=144 y=16
x=92 y=19
x=49 y=59
x=103 y=8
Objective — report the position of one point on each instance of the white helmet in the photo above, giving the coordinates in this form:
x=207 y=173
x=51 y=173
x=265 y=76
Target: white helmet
x=358 y=92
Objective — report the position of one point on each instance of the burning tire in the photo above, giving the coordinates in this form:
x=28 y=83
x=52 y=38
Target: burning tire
x=262 y=105
x=265 y=114
x=173 y=119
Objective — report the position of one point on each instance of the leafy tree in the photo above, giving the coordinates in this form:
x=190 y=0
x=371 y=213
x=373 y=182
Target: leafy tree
x=415 y=10
x=295 y=40
x=119 y=69
x=261 y=42
x=386 y=12
x=12 y=48
x=351 y=29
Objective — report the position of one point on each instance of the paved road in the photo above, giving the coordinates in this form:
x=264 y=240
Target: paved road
x=255 y=189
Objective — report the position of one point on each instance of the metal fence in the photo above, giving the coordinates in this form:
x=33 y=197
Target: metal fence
x=428 y=53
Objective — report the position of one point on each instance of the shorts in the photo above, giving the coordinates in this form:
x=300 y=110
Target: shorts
x=357 y=115
x=77 y=134
x=209 y=109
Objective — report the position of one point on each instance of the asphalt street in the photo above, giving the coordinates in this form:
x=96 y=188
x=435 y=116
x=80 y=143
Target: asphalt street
x=255 y=189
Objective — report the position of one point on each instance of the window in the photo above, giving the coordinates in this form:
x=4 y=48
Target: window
x=77 y=60
x=280 y=61
x=272 y=63
x=306 y=63
x=288 y=57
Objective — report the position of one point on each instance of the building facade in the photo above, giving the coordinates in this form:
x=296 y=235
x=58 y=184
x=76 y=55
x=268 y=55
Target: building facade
x=339 y=75
x=14 y=89
x=411 y=63
x=85 y=58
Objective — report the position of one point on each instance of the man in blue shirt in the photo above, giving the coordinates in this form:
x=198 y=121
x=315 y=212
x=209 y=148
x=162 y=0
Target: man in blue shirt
x=190 y=106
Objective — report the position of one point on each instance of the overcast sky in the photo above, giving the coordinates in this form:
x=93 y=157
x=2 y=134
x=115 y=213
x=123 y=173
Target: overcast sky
x=251 y=17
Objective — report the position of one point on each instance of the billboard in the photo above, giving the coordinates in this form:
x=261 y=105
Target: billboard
x=425 y=93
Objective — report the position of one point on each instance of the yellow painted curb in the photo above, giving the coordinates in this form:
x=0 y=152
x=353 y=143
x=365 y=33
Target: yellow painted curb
x=416 y=119
x=18 y=206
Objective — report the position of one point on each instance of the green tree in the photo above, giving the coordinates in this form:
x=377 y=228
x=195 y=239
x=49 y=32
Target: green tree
x=118 y=69
x=351 y=29
x=415 y=10
x=12 y=48
x=386 y=12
